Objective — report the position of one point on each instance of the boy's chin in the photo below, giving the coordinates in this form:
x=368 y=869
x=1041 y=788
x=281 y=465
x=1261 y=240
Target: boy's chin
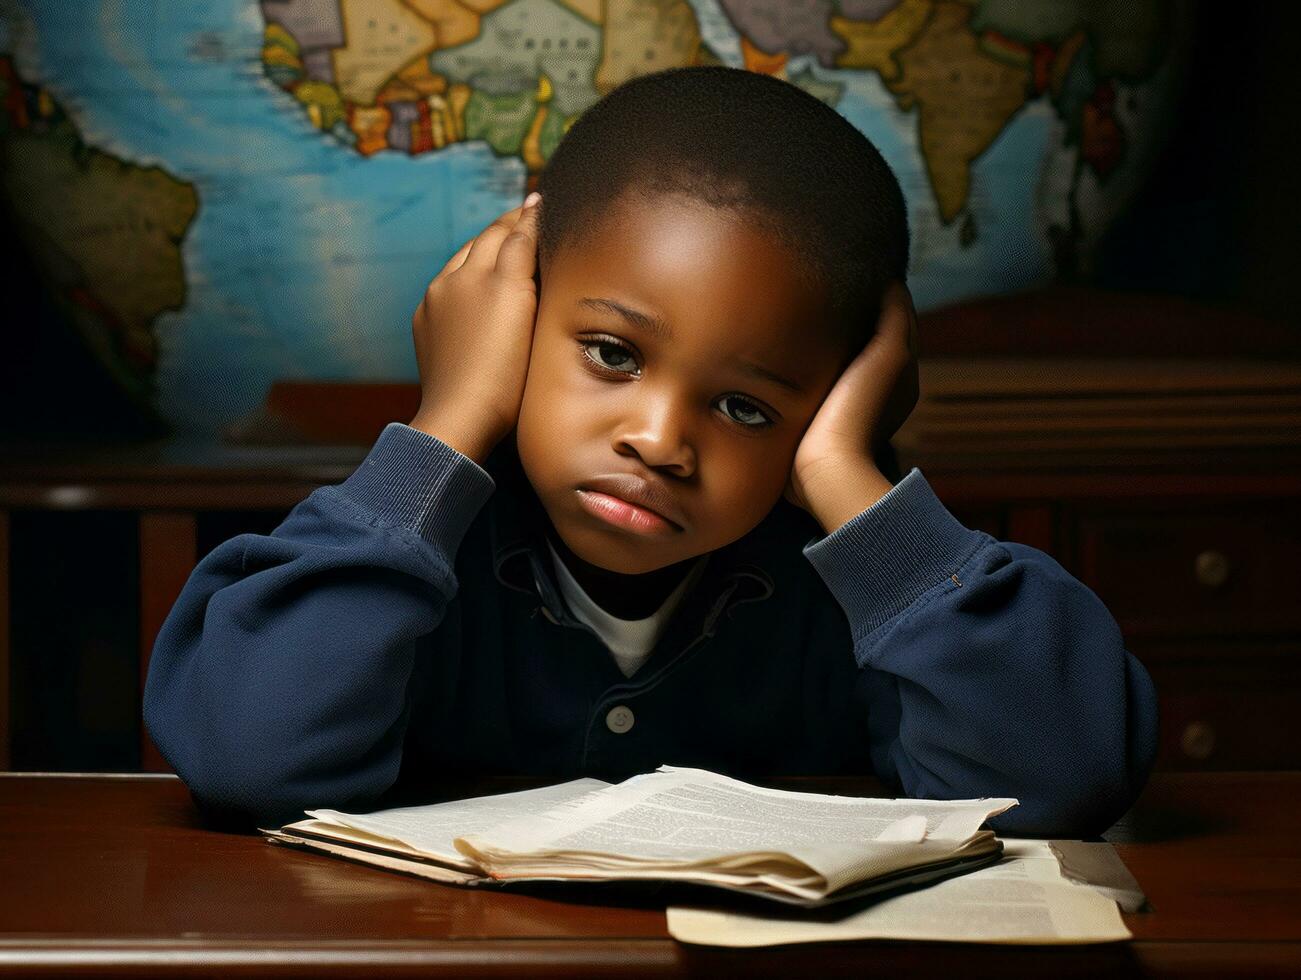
x=618 y=554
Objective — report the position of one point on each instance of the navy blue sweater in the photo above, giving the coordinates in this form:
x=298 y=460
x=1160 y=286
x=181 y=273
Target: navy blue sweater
x=404 y=629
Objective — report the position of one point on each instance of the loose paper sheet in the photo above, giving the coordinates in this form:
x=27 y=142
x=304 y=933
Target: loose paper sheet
x=1097 y=864
x=1022 y=899
x=431 y=829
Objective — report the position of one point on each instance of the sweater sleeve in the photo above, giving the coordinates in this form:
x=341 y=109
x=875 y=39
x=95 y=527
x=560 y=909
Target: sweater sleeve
x=986 y=669
x=279 y=679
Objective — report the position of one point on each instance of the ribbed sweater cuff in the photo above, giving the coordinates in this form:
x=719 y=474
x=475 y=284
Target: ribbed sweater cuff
x=880 y=561
x=416 y=481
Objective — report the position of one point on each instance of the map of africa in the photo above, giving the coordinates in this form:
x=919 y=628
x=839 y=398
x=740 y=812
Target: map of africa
x=226 y=194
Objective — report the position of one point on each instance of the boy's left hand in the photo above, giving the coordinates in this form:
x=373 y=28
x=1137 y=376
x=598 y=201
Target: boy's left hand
x=871 y=398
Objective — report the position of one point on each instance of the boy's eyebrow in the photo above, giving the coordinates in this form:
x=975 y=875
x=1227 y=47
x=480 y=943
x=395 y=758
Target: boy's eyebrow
x=653 y=325
x=658 y=329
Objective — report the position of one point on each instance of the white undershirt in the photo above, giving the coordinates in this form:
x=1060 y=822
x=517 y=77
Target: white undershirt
x=630 y=640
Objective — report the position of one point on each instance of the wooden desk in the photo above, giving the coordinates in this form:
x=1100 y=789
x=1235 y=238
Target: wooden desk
x=114 y=875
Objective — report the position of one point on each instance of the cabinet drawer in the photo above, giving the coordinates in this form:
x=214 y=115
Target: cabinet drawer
x=1196 y=571
x=1239 y=714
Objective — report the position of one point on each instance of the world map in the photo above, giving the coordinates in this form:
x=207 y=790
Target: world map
x=228 y=194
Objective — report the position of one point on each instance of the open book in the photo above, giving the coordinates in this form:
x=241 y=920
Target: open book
x=674 y=824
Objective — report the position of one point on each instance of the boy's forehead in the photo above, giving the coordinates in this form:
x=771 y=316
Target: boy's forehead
x=692 y=266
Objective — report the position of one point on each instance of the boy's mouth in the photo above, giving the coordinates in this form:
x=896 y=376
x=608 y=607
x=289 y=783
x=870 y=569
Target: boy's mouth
x=625 y=515
x=628 y=499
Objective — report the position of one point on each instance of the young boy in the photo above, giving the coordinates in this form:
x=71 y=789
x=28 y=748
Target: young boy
x=640 y=518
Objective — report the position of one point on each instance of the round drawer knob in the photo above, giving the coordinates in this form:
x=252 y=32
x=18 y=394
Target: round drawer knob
x=1198 y=741
x=1211 y=568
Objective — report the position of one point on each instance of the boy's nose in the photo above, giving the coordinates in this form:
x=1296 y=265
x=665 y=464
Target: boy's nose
x=659 y=436
x=675 y=456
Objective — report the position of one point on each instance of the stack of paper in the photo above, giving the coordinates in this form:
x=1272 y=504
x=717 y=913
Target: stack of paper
x=674 y=824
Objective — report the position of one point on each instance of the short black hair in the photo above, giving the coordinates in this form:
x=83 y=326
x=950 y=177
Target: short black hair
x=745 y=141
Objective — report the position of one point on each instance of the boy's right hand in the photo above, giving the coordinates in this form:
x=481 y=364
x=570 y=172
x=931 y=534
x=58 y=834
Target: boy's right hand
x=473 y=334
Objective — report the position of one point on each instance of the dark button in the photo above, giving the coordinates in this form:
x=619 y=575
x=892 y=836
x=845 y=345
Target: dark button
x=619 y=719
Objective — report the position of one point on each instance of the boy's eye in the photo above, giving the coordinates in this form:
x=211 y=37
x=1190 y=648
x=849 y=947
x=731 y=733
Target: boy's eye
x=612 y=356
x=749 y=413
x=615 y=358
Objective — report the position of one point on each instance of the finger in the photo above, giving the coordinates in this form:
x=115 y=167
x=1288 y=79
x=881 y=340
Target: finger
x=517 y=257
x=458 y=257
x=483 y=251
x=896 y=310
x=899 y=323
x=906 y=391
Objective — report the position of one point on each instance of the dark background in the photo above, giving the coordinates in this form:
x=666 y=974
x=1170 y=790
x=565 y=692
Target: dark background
x=1216 y=222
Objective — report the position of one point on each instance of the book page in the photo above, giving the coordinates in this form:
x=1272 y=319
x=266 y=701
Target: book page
x=430 y=829
x=363 y=841
x=1024 y=898
x=390 y=861
x=692 y=818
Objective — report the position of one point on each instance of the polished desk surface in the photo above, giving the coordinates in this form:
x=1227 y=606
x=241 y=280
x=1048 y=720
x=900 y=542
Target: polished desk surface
x=116 y=875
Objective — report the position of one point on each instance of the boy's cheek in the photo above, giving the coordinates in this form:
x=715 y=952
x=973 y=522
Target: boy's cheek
x=548 y=406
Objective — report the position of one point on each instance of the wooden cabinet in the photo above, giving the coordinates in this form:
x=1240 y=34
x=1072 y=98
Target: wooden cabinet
x=1182 y=515
x=1205 y=594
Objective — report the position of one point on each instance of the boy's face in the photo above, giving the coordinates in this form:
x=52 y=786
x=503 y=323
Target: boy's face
x=606 y=396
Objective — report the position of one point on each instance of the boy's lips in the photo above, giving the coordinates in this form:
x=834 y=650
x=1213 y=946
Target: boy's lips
x=631 y=489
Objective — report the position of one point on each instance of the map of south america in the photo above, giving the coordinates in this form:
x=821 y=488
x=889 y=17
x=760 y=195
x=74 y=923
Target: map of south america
x=106 y=231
